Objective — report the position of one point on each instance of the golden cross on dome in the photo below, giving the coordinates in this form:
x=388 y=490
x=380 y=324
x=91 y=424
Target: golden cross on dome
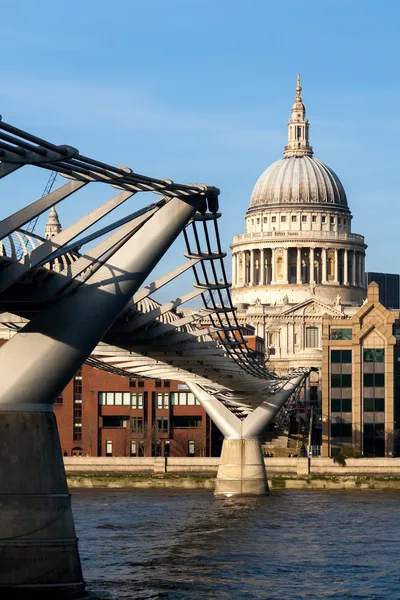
x=298 y=89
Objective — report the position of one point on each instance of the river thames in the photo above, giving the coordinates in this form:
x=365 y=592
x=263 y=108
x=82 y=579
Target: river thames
x=176 y=545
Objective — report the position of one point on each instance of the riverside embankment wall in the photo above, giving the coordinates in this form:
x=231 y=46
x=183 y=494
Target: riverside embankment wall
x=288 y=467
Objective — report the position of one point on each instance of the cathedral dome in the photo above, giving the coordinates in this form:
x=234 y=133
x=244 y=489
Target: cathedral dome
x=299 y=180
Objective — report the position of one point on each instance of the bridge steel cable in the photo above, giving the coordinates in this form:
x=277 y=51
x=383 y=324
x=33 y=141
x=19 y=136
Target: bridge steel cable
x=81 y=296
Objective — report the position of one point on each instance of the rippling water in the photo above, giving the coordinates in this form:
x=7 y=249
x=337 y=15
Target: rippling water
x=170 y=545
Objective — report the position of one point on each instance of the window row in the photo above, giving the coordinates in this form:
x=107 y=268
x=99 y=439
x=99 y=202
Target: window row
x=136 y=400
x=341 y=380
x=138 y=424
x=341 y=356
x=304 y=219
x=134 y=382
x=138 y=448
x=339 y=405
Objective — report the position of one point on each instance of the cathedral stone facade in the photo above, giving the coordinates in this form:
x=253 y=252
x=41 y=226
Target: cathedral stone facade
x=299 y=259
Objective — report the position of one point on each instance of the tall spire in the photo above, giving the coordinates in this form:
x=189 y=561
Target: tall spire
x=298 y=128
x=53 y=226
x=298 y=90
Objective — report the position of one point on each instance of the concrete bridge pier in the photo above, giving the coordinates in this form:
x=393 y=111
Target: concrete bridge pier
x=38 y=545
x=241 y=470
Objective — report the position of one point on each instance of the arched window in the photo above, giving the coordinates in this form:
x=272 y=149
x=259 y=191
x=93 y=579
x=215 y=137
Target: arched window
x=298 y=133
x=312 y=337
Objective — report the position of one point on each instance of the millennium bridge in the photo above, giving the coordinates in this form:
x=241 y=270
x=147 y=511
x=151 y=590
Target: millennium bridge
x=83 y=296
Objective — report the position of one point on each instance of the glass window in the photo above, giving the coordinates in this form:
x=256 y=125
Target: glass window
x=158 y=383
x=341 y=380
x=191 y=447
x=133 y=448
x=159 y=400
x=118 y=398
x=341 y=356
x=332 y=220
x=126 y=398
x=112 y=422
x=369 y=404
x=314 y=218
x=102 y=398
x=323 y=219
x=312 y=337
x=374 y=355
x=336 y=430
x=339 y=333
x=336 y=405
x=191 y=399
x=186 y=422
x=137 y=400
x=346 y=380
x=374 y=404
x=162 y=424
x=173 y=398
x=303 y=218
x=346 y=430
x=294 y=218
x=265 y=219
x=141 y=448
x=283 y=219
x=132 y=381
x=346 y=405
x=110 y=398
x=137 y=424
x=109 y=448
x=368 y=379
x=59 y=399
x=273 y=219
x=374 y=380
x=140 y=383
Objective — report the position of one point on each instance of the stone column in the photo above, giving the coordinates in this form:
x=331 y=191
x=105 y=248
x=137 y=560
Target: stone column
x=345 y=267
x=285 y=265
x=262 y=267
x=273 y=265
x=323 y=274
x=336 y=266
x=353 y=274
x=234 y=275
x=363 y=270
x=298 y=267
x=251 y=267
x=360 y=277
x=311 y=266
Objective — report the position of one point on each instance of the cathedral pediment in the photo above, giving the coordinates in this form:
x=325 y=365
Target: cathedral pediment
x=312 y=307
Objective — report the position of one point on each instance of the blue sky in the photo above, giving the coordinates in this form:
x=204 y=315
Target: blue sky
x=201 y=90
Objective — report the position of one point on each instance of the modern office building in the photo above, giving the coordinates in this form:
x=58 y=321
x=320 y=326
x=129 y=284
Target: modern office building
x=361 y=380
x=389 y=288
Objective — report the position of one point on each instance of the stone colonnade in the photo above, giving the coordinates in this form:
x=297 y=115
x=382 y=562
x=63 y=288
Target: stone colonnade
x=299 y=265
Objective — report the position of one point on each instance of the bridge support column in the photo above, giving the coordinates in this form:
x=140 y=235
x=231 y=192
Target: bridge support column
x=241 y=469
x=38 y=545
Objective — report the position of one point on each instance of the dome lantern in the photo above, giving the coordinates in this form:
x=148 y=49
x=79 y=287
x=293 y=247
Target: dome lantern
x=298 y=128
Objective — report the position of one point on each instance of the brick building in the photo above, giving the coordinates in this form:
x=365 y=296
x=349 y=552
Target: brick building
x=102 y=414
